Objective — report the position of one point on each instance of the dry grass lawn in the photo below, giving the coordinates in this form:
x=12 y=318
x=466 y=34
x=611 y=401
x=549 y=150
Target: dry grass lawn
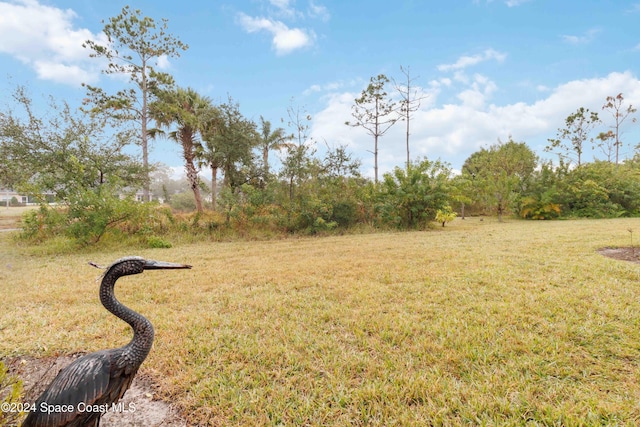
x=12 y=217
x=479 y=323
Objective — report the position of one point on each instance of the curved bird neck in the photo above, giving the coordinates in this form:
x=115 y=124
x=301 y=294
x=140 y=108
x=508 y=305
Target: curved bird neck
x=140 y=345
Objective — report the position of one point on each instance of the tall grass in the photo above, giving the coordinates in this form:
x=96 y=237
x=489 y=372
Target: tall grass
x=479 y=323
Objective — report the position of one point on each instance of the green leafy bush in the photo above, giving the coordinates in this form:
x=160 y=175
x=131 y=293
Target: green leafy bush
x=589 y=199
x=345 y=213
x=540 y=208
x=445 y=215
x=90 y=215
x=157 y=242
x=42 y=223
x=410 y=198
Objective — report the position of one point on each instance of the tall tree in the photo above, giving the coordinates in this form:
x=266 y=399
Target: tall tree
x=270 y=140
x=186 y=112
x=500 y=174
x=461 y=191
x=338 y=163
x=375 y=112
x=614 y=105
x=607 y=143
x=299 y=153
x=64 y=154
x=570 y=139
x=409 y=103
x=75 y=158
x=228 y=144
x=134 y=45
x=209 y=154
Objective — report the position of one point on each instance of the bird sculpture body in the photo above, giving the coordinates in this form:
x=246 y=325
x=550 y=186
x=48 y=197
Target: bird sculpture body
x=87 y=388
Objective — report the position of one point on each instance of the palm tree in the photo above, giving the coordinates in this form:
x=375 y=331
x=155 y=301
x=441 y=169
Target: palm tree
x=187 y=111
x=270 y=141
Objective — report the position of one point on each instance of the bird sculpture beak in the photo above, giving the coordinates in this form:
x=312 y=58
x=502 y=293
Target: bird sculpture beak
x=161 y=265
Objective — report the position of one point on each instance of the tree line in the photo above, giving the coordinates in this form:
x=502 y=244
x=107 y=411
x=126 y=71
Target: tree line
x=76 y=158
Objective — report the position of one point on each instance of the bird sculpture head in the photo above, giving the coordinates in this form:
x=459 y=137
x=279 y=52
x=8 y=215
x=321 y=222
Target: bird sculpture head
x=136 y=265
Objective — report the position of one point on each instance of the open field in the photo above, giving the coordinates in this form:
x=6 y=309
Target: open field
x=479 y=323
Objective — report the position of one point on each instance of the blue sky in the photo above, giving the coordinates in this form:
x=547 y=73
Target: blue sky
x=487 y=68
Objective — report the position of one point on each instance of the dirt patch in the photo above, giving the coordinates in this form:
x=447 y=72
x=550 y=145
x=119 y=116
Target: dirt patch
x=142 y=409
x=631 y=254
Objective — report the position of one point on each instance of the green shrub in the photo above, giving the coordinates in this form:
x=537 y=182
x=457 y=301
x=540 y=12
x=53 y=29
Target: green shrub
x=42 y=223
x=410 y=198
x=157 y=242
x=93 y=212
x=589 y=199
x=89 y=216
x=345 y=213
x=445 y=215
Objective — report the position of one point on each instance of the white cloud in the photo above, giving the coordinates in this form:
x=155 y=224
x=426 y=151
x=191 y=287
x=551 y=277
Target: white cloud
x=588 y=37
x=311 y=89
x=284 y=9
x=467 y=61
x=513 y=3
x=330 y=124
x=61 y=73
x=455 y=130
x=461 y=77
x=573 y=39
x=478 y=92
x=509 y=3
x=437 y=84
x=280 y=4
x=44 y=38
x=635 y=8
x=163 y=62
x=318 y=11
x=327 y=87
x=285 y=40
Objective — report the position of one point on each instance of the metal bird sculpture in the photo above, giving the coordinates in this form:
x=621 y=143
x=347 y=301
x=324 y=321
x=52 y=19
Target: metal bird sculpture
x=86 y=388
